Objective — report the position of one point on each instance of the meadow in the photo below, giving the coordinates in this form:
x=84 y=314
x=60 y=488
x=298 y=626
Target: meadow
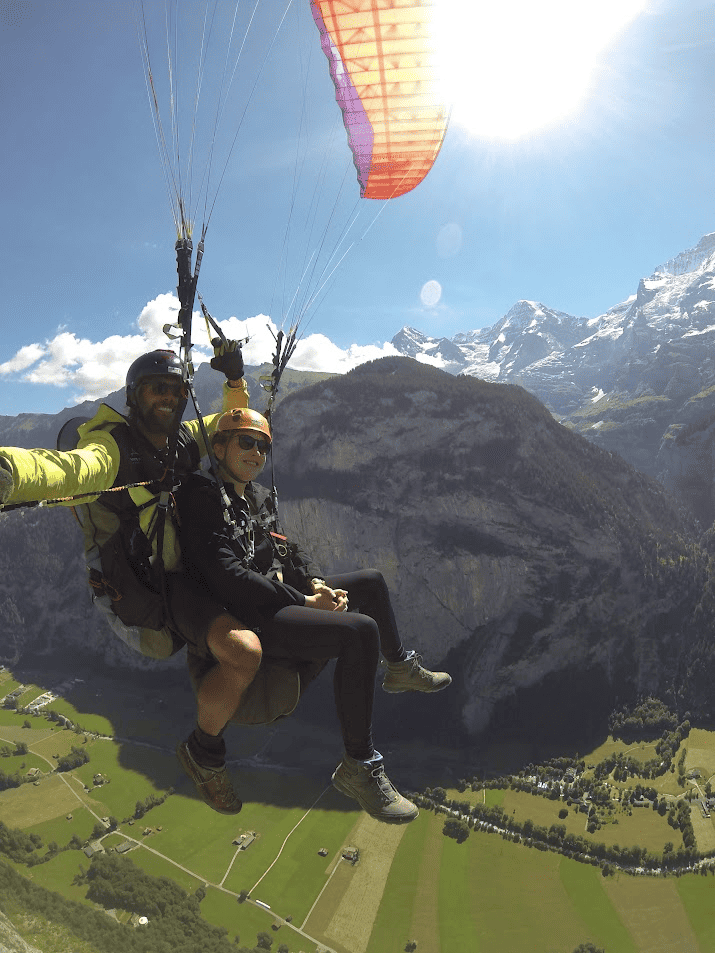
x=485 y=895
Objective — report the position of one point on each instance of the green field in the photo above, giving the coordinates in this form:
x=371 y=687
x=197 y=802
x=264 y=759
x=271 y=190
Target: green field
x=245 y=920
x=487 y=895
x=491 y=896
x=697 y=894
x=60 y=829
x=124 y=786
x=86 y=720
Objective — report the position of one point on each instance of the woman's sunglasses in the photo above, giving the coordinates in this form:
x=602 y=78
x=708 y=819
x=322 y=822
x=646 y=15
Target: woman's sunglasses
x=246 y=442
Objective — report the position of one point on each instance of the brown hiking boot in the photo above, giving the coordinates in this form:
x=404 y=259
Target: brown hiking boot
x=410 y=676
x=213 y=784
x=367 y=783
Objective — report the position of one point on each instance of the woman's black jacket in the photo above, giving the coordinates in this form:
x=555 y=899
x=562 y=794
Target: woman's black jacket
x=217 y=560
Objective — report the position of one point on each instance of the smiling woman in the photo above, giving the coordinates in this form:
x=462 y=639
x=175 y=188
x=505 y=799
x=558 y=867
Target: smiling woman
x=513 y=68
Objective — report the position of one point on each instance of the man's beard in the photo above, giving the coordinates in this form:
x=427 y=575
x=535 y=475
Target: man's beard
x=158 y=423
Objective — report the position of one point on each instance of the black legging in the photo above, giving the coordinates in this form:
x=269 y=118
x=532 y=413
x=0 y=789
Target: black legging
x=353 y=638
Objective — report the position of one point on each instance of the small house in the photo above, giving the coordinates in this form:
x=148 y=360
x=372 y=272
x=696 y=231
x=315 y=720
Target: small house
x=94 y=847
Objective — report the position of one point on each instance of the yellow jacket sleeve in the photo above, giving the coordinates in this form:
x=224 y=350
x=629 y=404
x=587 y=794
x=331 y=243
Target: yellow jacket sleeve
x=93 y=467
x=50 y=474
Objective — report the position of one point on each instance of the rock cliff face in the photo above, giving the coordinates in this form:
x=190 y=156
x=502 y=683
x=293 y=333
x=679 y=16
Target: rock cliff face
x=549 y=576
x=539 y=567
x=10 y=939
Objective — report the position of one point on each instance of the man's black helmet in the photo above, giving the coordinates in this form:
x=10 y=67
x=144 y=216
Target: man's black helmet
x=153 y=364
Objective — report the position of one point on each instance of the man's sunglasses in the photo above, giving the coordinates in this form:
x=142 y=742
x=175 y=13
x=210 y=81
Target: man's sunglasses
x=246 y=442
x=159 y=388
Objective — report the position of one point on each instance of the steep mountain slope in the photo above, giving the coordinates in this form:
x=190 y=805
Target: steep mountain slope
x=10 y=939
x=541 y=567
x=552 y=578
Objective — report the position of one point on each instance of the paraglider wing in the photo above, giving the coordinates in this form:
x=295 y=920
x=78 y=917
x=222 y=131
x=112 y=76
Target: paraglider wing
x=381 y=57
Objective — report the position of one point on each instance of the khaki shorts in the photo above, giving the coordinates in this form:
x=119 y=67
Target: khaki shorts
x=193 y=609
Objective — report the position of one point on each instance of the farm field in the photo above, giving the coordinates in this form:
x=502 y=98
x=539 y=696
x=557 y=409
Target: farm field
x=411 y=882
x=701 y=753
x=490 y=895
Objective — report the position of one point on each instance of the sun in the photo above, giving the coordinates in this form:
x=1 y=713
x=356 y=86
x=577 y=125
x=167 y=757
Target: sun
x=512 y=68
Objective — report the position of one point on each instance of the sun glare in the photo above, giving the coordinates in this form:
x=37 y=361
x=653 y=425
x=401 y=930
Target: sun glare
x=512 y=68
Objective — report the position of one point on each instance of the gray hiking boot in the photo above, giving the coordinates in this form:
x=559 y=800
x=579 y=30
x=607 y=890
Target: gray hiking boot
x=367 y=783
x=410 y=676
x=213 y=784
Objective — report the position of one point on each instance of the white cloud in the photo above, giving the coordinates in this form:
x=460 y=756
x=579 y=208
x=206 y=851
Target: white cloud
x=94 y=369
x=318 y=353
x=432 y=361
x=24 y=358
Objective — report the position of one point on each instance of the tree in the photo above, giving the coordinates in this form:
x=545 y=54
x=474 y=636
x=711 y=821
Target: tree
x=265 y=941
x=26 y=724
x=456 y=829
x=20 y=747
x=588 y=948
x=243 y=895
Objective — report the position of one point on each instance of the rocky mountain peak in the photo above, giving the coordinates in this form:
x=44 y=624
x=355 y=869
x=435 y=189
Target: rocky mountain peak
x=692 y=259
x=533 y=314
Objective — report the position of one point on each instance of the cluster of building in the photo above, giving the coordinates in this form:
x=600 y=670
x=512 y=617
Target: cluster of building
x=243 y=841
x=45 y=698
x=15 y=693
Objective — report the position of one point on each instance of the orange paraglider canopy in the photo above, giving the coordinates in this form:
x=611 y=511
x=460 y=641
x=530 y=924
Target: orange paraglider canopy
x=382 y=61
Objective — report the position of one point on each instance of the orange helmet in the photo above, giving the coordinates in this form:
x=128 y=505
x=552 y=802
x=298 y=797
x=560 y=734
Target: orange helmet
x=241 y=418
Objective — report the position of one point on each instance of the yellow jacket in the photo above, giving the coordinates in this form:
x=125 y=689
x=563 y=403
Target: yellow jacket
x=93 y=466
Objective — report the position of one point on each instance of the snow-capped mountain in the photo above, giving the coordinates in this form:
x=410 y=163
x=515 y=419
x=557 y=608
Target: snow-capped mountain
x=633 y=379
x=566 y=360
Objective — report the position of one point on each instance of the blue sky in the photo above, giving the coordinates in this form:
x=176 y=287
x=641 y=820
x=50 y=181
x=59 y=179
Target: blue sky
x=571 y=214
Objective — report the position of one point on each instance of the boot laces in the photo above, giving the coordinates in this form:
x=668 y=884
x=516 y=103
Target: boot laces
x=417 y=669
x=387 y=789
x=220 y=777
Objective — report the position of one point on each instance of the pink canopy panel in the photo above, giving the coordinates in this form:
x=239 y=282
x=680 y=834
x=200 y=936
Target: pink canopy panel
x=382 y=61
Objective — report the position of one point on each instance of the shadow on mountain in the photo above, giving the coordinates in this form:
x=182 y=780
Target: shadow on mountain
x=549 y=577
